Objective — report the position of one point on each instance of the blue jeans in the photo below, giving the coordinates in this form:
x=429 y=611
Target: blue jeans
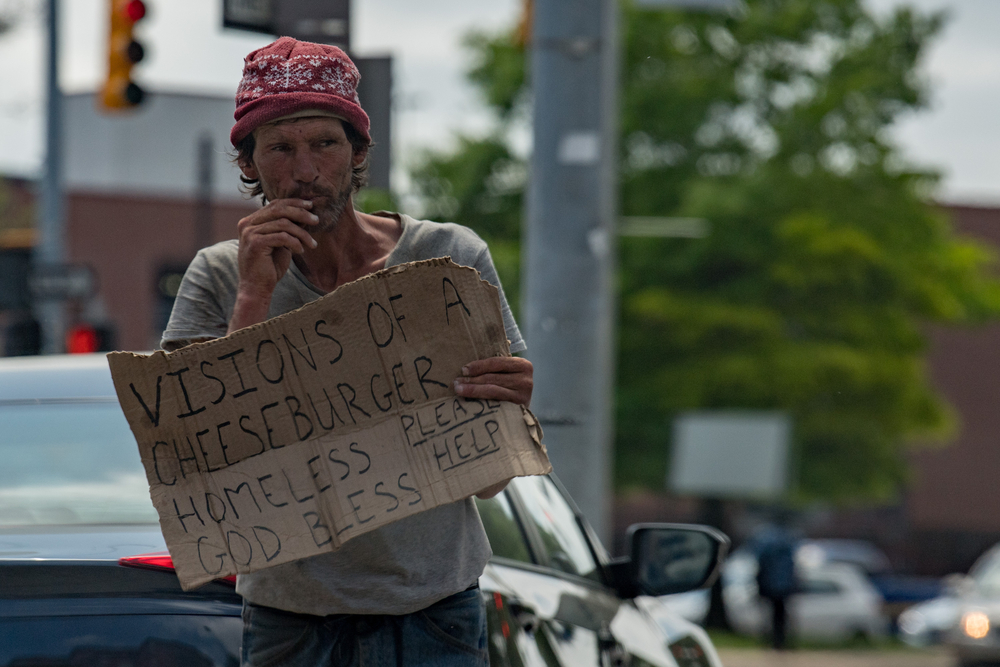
x=449 y=633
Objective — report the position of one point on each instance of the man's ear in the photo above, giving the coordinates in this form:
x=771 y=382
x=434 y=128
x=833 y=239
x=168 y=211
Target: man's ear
x=359 y=156
x=249 y=170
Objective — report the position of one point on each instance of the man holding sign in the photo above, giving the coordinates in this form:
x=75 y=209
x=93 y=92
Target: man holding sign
x=405 y=593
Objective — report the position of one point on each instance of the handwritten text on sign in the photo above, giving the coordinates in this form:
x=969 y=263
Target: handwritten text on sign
x=283 y=440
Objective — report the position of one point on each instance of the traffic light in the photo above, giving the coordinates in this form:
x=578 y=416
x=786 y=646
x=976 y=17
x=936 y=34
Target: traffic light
x=120 y=92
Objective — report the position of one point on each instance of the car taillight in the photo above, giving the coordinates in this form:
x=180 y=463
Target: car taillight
x=160 y=560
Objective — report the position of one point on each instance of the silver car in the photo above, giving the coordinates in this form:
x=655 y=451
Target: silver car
x=975 y=639
x=834 y=602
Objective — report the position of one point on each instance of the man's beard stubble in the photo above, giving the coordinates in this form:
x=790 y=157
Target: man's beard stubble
x=327 y=205
x=329 y=208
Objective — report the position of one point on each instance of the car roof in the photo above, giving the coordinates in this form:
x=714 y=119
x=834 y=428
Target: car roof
x=67 y=376
x=858 y=552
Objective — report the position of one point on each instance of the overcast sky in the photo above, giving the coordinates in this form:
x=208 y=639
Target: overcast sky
x=188 y=50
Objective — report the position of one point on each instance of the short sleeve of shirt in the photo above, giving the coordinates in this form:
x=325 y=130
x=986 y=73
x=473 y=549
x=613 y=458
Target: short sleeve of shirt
x=199 y=311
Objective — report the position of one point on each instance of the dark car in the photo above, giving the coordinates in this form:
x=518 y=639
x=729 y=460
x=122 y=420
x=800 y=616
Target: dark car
x=85 y=578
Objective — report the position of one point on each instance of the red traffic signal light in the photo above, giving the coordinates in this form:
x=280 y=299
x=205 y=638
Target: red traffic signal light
x=120 y=92
x=134 y=10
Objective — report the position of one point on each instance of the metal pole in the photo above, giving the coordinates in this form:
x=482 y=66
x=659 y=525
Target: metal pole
x=204 y=190
x=49 y=246
x=570 y=249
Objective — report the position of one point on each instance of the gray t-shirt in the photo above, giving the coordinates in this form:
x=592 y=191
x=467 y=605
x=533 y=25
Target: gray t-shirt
x=398 y=568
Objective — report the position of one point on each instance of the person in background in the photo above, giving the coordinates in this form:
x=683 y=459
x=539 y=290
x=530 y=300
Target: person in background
x=776 y=579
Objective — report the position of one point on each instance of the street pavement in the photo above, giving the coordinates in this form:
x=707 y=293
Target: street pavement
x=888 y=658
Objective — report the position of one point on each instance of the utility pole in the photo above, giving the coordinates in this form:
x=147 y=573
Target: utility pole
x=569 y=256
x=49 y=247
x=570 y=248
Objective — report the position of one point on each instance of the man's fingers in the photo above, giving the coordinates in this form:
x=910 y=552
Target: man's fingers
x=510 y=380
x=282 y=240
x=281 y=228
x=489 y=392
x=289 y=209
x=278 y=238
x=498 y=379
x=497 y=365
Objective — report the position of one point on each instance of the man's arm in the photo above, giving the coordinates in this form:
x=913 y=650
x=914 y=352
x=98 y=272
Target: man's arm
x=497 y=379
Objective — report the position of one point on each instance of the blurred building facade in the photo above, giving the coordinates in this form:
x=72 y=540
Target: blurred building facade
x=952 y=508
x=144 y=190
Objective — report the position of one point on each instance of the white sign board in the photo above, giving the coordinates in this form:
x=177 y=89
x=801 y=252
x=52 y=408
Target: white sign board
x=737 y=454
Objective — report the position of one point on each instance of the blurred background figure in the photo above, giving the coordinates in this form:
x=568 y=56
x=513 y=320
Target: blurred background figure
x=776 y=580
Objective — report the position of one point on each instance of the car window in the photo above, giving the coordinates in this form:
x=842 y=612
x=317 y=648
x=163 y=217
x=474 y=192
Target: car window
x=986 y=573
x=565 y=545
x=502 y=528
x=820 y=587
x=70 y=463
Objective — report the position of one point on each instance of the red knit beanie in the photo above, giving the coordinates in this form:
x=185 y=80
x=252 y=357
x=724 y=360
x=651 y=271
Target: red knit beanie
x=288 y=76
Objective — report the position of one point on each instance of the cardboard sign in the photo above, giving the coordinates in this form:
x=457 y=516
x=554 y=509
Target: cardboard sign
x=288 y=438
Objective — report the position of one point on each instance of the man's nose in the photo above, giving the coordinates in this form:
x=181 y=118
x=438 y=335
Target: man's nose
x=304 y=169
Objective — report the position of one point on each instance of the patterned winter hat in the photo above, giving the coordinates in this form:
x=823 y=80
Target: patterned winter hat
x=287 y=76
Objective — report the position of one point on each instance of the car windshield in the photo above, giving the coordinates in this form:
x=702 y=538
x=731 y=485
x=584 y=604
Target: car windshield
x=70 y=462
x=986 y=574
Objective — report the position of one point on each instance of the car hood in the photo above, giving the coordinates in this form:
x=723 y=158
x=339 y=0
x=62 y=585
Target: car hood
x=989 y=604
x=674 y=627
x=105 y=542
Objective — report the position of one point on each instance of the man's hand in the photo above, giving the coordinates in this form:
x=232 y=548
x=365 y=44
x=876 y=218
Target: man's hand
x=497 y=379
x=268 y=238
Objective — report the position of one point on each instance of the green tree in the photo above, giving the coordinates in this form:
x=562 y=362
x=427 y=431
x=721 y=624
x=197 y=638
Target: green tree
x=825 y=258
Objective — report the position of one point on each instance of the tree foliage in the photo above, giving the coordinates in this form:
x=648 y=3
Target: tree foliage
x=825 y=258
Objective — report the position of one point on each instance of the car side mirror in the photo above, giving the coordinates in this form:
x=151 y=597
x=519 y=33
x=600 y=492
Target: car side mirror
x=667 y=558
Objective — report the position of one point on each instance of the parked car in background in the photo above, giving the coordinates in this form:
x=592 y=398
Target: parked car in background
x=85 y=580
x=974 y=637
x=927 y=623
x=835 y=601
x=898 y=591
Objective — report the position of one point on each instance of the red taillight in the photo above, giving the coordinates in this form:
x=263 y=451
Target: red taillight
x=160 y=560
